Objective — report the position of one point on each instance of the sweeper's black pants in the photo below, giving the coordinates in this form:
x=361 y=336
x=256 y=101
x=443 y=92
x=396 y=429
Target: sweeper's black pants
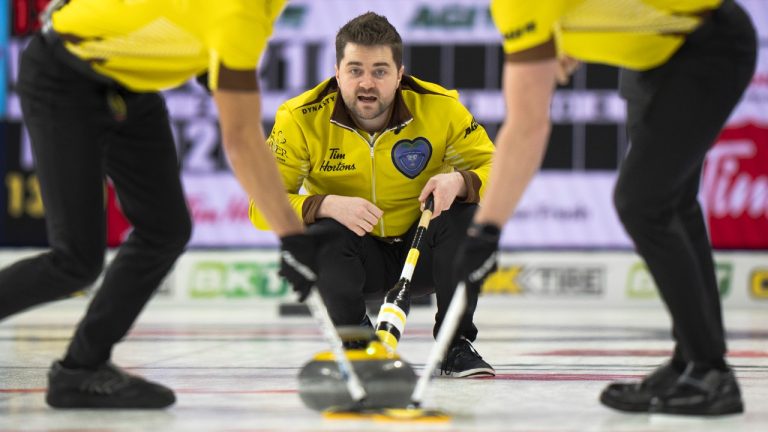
x=84 y=127
x=675 y=113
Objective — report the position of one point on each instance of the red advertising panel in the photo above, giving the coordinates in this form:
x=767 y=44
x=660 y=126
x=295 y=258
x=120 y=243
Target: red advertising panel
x=735 y=188
x=118 y=226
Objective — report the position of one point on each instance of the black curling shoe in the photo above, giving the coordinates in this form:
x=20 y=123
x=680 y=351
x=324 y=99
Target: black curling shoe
x=637 y=396
x=107 y=386
x=711 y=392
x=463 y=361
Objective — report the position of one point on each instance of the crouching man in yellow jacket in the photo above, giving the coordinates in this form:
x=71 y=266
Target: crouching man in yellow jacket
x=368 y=146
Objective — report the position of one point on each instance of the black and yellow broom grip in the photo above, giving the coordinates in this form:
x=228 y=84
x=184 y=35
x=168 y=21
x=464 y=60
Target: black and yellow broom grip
x=390 y=323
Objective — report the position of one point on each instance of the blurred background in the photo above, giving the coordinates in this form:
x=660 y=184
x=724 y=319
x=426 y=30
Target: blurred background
x=564 y=240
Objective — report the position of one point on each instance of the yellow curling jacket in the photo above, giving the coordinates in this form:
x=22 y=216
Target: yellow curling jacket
x=317 y=146
x=635 y=34
x=159 y=44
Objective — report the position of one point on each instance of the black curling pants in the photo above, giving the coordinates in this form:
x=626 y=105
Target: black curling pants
x=675 y=113
x=354 y=268
x=84 y=128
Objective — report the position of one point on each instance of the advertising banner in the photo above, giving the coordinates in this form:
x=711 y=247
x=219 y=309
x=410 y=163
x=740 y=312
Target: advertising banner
x=617 y=278
x=567 y=210
x=735 y=188
x=219 y=209
x=417 y=21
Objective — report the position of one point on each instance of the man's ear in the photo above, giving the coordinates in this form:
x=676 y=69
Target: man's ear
x=400 y=73
x=336 y=72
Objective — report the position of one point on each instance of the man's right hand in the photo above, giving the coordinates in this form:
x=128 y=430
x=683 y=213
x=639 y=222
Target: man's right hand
x=298 y=262
x=357 y=214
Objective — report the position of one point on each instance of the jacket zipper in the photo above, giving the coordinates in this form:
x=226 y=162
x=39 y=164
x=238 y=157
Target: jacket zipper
x=372 y=146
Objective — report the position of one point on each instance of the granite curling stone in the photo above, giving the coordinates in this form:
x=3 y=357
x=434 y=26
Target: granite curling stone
x=388 y=380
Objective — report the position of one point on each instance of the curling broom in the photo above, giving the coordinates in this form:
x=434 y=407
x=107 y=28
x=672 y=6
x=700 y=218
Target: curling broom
x=397 y=302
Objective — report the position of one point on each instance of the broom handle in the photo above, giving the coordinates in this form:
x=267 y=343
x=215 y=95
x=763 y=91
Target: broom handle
x=444 y=337
x=317 y=307
x=413 y=253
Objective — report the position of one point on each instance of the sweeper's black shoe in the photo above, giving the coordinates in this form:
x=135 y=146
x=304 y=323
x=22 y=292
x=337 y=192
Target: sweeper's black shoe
x=711 y=392
x=463 y=361
x=637 y=396
x=107 y=386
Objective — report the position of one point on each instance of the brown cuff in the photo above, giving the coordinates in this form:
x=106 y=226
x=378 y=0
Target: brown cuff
x=473 y=183
x=545 y=51
x=310 y=207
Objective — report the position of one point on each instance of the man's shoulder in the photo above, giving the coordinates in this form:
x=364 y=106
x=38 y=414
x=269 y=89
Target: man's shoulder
x=420 y=87
x=316 y=99
x=423 y=97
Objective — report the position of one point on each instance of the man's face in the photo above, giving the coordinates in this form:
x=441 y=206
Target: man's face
x=368 y=79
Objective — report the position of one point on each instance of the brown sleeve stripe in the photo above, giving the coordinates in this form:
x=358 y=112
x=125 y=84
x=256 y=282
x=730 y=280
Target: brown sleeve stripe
x=310 y=207
x=545 y=51
x=473 y=183
x=242 y=80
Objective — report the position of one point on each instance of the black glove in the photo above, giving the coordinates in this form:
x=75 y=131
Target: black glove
x=298 y=262
x=476 y=256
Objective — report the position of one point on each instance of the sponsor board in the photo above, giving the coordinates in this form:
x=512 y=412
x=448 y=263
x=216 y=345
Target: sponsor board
x=219 y=209
x=118 y=226
x=615 y=278
x=759 y=283
x=235 y=279
x=735 y=188
x=417 y=21
x=640 y=283
x=567 y=209
x=554 y=280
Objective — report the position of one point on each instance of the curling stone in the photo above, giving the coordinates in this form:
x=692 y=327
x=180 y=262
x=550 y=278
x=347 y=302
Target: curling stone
x=388 y=380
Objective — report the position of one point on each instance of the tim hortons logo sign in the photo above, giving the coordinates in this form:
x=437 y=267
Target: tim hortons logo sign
x=735 y=188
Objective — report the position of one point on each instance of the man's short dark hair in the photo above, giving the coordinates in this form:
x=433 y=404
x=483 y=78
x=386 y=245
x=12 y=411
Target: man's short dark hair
x=369 y=29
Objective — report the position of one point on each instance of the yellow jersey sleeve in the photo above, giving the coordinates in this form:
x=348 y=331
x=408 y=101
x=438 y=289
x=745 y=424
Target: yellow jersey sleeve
x=636 y=34
x=525 y=24
x=468 y=147
x=241 y=38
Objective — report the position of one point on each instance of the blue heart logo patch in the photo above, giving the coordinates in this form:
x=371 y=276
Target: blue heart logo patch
x=411 y=156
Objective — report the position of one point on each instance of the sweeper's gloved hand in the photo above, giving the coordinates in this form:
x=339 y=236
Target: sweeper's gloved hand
x=298 y=262
x=476 y=256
